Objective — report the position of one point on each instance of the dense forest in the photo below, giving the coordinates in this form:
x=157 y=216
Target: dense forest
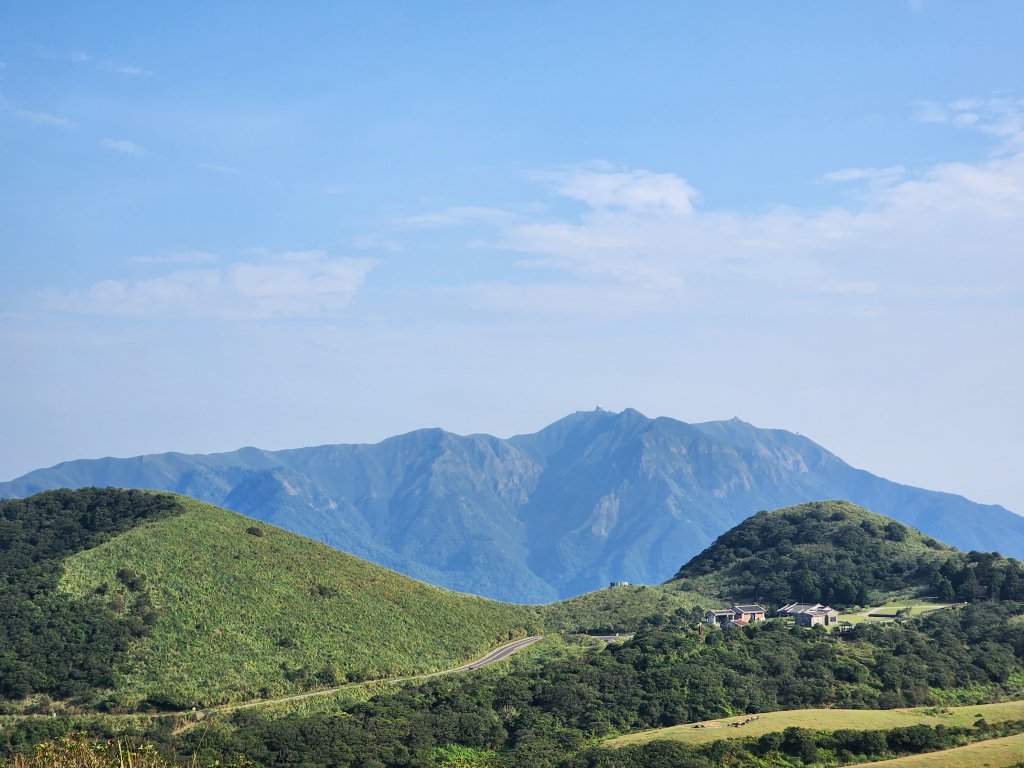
x=50 y=642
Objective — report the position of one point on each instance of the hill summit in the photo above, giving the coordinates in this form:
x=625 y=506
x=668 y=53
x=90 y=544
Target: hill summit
x=829 y=551
x=593 y=498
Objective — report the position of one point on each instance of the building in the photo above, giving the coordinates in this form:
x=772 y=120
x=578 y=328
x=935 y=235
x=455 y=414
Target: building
x=737 y=623
x=794 y=608
x=738 y=613
x=824 y=616
x=811 y=615
x=720 y=616
x=751 y=612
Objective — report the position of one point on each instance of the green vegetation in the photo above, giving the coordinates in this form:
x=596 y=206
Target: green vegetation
x=620 y=609
x=245 y=611
x=214 y=607
x=76 y=751
x=797 y=747
x=900 y=609
x=1006 y=752
x=827 y=720
x=828 y=551
x=54 y=643
x=668 y=674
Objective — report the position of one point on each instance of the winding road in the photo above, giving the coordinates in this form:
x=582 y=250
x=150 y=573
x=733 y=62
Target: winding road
x=499 y=653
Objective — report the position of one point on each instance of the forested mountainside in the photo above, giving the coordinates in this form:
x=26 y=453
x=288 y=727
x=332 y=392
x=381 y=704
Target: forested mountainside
x=594 y=497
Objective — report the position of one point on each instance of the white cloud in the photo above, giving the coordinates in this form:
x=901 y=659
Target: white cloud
x=124 y=146
x=601 y=186
x=641 y=243
x=299 y=284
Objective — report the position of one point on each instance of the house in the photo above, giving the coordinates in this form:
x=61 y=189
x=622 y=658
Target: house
x=749 y=612
x=824 y=616
x=720 y=616
x=794 y=608
x=738 y=613
x=737 y=623
x=619 y=584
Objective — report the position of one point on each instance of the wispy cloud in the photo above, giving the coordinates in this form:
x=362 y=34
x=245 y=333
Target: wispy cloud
x=125 y=69
x=124 y=146
x=87 y=59
x=876 y=175
x=177 y=257
x=216 y=168
x=289 y=285
x=1000 y=116
x=458 y=216
x=33 y=116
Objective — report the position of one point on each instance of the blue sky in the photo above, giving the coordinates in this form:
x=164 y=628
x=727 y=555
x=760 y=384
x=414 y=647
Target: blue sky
x=228 y=226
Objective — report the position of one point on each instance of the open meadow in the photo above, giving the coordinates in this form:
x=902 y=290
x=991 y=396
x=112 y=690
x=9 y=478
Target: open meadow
x=825 y=720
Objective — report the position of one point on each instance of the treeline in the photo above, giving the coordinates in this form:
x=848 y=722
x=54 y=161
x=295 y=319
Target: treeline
x=50 y=642
x=668 y=674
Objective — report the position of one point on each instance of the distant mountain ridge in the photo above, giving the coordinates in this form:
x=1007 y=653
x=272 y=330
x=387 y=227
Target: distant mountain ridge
x=594 y=497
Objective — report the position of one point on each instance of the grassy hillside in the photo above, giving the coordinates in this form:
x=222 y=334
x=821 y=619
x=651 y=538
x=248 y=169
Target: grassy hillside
x=241 y=609
x=622 y=609
x=828 y=551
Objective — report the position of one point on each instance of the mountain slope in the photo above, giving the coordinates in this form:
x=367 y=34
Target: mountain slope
x=594 y=497
x=230 y=609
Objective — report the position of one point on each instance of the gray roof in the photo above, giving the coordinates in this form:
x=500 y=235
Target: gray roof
x=748 y=608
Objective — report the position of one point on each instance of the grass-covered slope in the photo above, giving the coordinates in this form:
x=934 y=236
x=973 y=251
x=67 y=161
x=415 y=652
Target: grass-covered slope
x=828 y=551
x=243 y=609
x=620 y=609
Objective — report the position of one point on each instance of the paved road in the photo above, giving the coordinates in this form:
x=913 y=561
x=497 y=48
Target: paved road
x=499 y=653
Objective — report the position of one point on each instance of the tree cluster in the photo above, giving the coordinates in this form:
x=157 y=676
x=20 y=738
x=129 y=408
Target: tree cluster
x=51 y=642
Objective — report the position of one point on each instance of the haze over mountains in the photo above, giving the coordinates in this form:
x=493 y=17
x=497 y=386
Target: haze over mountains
x=594 y=497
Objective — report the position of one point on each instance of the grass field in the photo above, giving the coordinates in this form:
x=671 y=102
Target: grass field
x=1007 y=752
x=245 y=610
x=890 y=610
x=827 y=720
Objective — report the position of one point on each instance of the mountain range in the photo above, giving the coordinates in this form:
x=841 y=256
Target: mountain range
x=595 y=497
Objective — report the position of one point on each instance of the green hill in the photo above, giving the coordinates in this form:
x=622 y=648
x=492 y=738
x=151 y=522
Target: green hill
x=207 y=606
x=839 y=553
x=826 y=551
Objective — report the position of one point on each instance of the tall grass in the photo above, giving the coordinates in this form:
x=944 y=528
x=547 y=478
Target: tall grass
x=78 y=751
